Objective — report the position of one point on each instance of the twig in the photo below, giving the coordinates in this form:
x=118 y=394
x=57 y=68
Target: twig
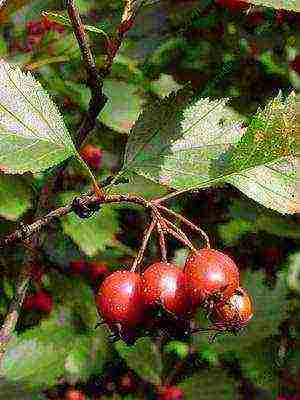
x=162 y=242
x=142 y=249
x=186 y=222
x=177 y=233
x=96 y=104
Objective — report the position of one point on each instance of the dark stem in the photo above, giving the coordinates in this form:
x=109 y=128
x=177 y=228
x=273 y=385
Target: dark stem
x=186 y=222
x=162 y=242
x=177 y=233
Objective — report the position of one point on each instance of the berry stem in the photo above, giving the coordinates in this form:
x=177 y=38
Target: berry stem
x=178 y=233
x=162 y=242
x=186 y=222
x=142 y=249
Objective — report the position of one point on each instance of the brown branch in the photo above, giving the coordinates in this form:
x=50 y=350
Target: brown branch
x=96 y=104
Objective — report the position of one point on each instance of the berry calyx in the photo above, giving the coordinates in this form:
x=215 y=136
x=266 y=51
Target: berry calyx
x=92 y=155
x=171 y=393
x=97 y=270
x=212 y=276
x=235 y=313
x=40 y=301
x=73 y=394
x=165 y=284
x=120 y=299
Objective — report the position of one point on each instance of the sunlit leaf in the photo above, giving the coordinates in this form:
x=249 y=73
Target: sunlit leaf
x=292 y=5
x=187 y=144
x=33 y=136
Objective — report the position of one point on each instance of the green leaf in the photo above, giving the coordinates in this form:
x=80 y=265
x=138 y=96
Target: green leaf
x=260 y=364
x=93 y=234
x=292 y=5
x=210 y=385
x=35 y=359
x=63 y=20
x=198 y=143
x=294 y=272
x=144 y=358
x=15 y=197
x=33 y=136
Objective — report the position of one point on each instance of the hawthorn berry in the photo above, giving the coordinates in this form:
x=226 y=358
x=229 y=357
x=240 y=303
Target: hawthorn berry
x=165 y=284
x=73 y=394
x=211 y=276
x=92 y=155
x=77 y=267
x=235 y=313
x=40 y=301
x=120 y=299
x=233 y=5
x=171 y=393
x=97 y=270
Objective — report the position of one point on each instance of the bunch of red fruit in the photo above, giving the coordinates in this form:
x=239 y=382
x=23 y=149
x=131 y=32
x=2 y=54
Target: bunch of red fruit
x=209 y=279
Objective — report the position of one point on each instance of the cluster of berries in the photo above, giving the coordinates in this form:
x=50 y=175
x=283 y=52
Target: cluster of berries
x=37 y=29
x=209 y=279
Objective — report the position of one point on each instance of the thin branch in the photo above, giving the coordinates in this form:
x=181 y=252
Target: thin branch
x=146 y=237
x=177 y=233
x=162 y=242
x=186 y=222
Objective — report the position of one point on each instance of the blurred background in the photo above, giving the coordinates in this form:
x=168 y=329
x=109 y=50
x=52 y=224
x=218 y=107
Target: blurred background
x=225 y=48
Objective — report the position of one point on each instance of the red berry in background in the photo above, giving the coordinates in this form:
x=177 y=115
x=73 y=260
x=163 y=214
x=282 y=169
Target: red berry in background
x=73 y=394
x=165 y=284
x=40 y=301
x=255 y=18
x=97 y=270
x=92 y=155
x=295 y=64
x=77 y=267
x=211 y=275
x=235 y=313
x=233 y=5
x=171 y=393
x=120 y=300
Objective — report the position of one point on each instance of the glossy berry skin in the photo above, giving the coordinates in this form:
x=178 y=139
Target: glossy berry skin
x=92 y=155
x=171 y=393
x=165 y=284
x=211 y=276
x=235 y=313
x=40 y=301
x=73 y=394
x=120 y=300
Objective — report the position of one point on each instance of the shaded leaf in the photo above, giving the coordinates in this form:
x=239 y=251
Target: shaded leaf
x=33 y=136
x=292 y=5
x=35 y=359
x=93 y=234
x=15 y=197
x=144 y=358
x=210 y=384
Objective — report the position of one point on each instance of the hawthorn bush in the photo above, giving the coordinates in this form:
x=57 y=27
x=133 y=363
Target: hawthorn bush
x=148 y=200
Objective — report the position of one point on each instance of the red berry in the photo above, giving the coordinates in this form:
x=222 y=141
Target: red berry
x=120 y=300
x=77 y=267
x=295 y=64
x=255 y=18
x=171 y=393
x=165 y=284
x=211 y=275
x=233 y=5
x=235 y=313
x=73 y=394
x=92 y=155
x=40 y=301
x=97 y=270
